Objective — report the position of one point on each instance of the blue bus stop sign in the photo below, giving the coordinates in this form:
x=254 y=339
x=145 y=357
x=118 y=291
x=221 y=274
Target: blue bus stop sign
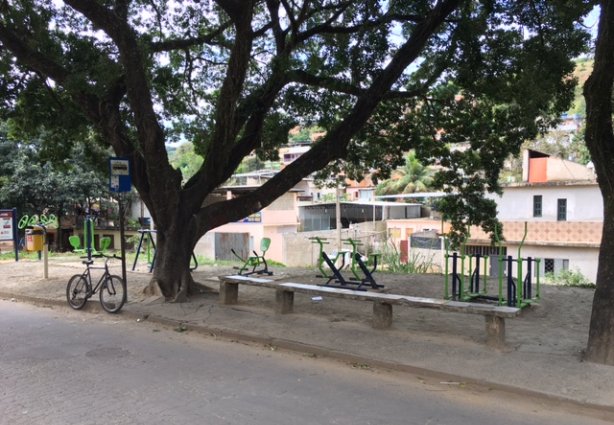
x=119 y=175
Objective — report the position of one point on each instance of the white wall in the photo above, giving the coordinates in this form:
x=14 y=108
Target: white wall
x=584 y=260
x=584 y=203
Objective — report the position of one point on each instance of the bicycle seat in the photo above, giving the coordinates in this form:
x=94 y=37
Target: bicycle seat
x=88 y=262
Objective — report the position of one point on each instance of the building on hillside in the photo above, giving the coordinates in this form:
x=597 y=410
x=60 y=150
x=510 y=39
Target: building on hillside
x=562 y=205
x=289 y=153
x=559 y=200
x=362 y=191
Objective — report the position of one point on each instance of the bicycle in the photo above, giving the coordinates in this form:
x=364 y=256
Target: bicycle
x=112 y=288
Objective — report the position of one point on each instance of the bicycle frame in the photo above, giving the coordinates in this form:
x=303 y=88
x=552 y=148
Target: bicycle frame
x=111 y=288
x=88 y=277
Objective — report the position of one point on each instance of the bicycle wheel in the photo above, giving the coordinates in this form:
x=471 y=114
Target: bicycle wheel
x=113 y=294
x=77 y=291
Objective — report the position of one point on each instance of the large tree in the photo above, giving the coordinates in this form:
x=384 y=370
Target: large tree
x=381 y=77
x=598 y=91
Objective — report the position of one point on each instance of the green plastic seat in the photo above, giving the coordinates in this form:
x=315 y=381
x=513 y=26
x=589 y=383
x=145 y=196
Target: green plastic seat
x=105 y=243
x=265 y=243
x=256 y=260
x=75 y=242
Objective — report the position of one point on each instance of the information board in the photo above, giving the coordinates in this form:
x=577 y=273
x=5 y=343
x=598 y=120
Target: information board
x=7 y=225
x=119 y=175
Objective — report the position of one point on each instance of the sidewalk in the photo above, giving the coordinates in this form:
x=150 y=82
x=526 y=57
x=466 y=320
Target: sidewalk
x=544 y=344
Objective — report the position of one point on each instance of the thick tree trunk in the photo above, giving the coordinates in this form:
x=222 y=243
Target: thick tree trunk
x=600 y=347
x=600 y=142
x=172 y=277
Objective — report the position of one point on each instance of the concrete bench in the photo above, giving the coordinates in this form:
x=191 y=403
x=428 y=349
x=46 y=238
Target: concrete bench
x=382 y=303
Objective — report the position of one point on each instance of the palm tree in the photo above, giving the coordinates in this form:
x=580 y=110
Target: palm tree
x=413 y=177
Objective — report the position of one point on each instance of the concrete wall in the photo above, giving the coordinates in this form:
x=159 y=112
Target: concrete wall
x=433 y=257
x=206 y=246
x=277 y=235
x=299 y=251
x=584 y=260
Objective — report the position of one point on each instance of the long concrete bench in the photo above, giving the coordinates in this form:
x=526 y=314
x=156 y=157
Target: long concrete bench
x=382 y=303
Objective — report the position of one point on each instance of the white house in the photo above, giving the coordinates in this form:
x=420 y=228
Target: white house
x=562 y=205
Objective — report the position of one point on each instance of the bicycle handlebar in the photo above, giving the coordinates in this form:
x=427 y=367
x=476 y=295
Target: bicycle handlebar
x=101 y=255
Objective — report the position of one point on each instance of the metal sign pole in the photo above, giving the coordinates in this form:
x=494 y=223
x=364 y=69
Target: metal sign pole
x=120 y=181
x=15 y=235
x=122 y=236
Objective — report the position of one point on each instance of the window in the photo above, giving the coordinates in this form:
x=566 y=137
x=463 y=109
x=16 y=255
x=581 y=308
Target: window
x=549 y=265
x=555 y=265
x=537 y=206
x=253 y=218
x=561 y=210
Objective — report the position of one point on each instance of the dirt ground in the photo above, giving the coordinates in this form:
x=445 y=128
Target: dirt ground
x=557 y=325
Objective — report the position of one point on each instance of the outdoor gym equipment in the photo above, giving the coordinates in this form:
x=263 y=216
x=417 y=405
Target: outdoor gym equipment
x=150 y=249
x=49 y=221
x=88 y=238
x=357 y=262
x=255 y=260
x=338 y=280
x=467 y=285
x=323 y=257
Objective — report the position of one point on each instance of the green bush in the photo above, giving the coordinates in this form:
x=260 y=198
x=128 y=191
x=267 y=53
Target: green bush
x=416 y=263
x=569 y=278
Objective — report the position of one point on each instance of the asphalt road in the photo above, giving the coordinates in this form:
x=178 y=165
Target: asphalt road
x=63 y=367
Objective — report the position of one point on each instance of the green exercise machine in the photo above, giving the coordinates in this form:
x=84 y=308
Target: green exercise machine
x=333 y=274
x=255 y=260
x=467 y=280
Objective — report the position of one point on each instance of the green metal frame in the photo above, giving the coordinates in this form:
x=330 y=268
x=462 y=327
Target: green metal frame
x=501 y=300
x=256 y=260
x=354 y=267
x=321 y=242
x=88 y=234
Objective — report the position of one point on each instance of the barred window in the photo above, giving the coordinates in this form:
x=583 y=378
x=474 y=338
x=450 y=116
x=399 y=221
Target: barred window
x=537 y=206
x=561 y=214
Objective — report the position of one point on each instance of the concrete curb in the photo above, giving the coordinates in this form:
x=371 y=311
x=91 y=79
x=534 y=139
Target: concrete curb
x=324 y=352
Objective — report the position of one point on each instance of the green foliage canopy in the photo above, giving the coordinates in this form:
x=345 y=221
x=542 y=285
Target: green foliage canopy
x=234 y=76
x=30 y=182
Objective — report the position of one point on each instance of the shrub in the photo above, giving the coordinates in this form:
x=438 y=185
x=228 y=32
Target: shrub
x=569 y=278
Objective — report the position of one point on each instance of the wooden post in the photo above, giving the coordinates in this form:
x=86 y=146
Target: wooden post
x=284 y=301
x=229 y=293
x=495 y=331
x=382 y=315
x=45 y=257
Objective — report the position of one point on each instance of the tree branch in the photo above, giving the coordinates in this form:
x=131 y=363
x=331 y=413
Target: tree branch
x=186 y=43
x=234 y=8
x=340 y=86
x=32 y=58
x=334 y=144
x=278 y=33
x=227 y=124
x=156 y=170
